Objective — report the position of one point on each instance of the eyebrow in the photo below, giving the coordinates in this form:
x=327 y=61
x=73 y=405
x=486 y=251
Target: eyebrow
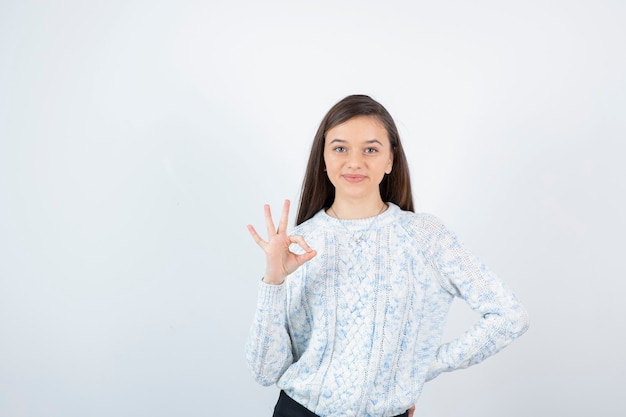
x=337 y=140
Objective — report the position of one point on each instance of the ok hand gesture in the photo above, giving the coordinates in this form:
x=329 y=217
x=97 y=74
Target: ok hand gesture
x=280 y=261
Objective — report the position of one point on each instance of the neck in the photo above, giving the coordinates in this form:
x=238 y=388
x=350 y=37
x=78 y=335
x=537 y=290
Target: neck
x=356 y=209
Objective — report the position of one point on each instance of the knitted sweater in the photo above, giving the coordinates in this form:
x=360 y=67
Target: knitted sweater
x=356 y=331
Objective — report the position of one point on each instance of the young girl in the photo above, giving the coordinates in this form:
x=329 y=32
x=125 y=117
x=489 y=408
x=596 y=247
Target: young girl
x=352 y=304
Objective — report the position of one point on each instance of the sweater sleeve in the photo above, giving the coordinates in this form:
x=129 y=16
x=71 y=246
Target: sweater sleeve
x=502 y=317
x=268 y=348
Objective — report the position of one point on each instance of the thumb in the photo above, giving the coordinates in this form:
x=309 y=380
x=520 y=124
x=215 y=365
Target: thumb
x=306 y=256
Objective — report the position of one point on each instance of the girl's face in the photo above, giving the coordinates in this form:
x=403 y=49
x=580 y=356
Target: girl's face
x=357 y=155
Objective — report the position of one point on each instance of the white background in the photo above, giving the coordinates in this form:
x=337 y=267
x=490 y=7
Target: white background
x=138 y=138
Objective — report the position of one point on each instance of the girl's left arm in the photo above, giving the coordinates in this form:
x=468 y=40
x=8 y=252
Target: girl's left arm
x=502 y=317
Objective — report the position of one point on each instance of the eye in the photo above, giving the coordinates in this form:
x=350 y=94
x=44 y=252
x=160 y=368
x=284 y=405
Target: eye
x=339 y=149
x=371 y=150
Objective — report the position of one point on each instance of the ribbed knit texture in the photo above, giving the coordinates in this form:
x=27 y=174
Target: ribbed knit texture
x=356 y=331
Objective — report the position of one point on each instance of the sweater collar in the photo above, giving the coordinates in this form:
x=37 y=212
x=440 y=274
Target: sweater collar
x=359 y=224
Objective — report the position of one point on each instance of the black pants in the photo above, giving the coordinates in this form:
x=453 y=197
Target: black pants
x=287 y=407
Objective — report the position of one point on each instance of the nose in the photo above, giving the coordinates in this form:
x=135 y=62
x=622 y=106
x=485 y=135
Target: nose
x=354 y=160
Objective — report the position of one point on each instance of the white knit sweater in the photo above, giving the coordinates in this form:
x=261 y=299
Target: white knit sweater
x=356 y=331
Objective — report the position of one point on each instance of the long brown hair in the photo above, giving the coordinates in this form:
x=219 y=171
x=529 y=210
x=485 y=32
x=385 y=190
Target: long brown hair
x=317 y=190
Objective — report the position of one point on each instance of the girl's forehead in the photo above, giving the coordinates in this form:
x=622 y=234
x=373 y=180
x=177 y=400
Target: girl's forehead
x=360 y=128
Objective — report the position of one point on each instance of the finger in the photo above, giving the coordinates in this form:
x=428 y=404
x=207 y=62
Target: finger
x=255 y=235
x=269 y=223
x=282 y=226
x=306 y=256
x=301 y=242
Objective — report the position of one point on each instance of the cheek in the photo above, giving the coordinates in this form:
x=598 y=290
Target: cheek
x=329 y=163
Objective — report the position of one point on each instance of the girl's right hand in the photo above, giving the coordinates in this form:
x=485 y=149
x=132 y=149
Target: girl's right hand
x=280 y=261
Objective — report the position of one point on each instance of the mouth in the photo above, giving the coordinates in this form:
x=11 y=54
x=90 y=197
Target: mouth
x=354 y=177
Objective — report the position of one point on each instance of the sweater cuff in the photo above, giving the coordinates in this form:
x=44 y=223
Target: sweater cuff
x=270 y=295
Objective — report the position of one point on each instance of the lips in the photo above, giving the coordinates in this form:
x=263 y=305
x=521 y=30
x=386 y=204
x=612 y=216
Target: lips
x=354 y=177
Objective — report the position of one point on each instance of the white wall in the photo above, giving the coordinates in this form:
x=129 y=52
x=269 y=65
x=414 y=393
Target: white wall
x=138 y=138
